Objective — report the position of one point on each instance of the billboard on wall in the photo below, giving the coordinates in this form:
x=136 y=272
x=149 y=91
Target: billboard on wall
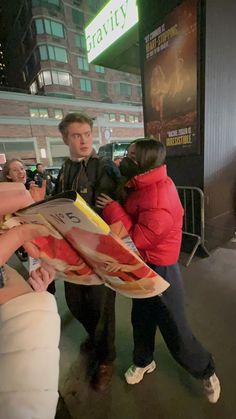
x=170 y=81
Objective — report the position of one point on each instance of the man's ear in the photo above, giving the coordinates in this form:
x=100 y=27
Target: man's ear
x=65 y=139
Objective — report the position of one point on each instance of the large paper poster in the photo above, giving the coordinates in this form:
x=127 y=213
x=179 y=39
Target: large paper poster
x=170 y=81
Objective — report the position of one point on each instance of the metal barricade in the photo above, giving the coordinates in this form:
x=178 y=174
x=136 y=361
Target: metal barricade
x=192 y=199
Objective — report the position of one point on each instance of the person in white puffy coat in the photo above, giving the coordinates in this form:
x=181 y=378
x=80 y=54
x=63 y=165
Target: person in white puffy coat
x=29 y=326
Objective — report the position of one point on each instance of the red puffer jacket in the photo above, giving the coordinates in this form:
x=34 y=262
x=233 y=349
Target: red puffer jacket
x=152 y=215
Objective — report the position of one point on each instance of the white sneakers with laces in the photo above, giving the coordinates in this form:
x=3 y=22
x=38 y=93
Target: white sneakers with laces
x=211 y=388
x=135 y=374
x=211 y=385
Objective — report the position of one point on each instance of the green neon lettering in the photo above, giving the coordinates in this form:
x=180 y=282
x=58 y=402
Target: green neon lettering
x=88 y=43
x=112 y=23
x=116 y=18
x=99 y=36
x=106 y=27
x=124 y=12
x=94 y=35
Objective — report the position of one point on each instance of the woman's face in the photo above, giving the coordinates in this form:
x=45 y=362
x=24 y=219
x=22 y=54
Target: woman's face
x=17 y=172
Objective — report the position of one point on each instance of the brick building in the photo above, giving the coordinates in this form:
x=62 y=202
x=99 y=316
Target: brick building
x=45 y=57
x=28 y=125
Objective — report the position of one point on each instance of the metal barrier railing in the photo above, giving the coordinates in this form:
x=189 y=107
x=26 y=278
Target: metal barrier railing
x=192 y=199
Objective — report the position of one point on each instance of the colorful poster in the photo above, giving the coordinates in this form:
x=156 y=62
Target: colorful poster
x=170 y=81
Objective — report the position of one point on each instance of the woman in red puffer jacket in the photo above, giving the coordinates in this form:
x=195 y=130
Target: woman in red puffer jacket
x=152 y=214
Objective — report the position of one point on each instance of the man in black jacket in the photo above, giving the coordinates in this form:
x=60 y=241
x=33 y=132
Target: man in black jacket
x=93 y=306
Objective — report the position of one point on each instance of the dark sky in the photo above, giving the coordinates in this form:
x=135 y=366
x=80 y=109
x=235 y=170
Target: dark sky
x=8 y=11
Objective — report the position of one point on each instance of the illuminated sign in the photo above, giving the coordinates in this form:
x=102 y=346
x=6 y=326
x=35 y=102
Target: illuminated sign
x=116 y=18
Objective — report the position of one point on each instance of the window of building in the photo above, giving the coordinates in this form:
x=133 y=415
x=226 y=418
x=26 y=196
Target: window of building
x=122 y=117
x=110 y=116
x=85 y=85
x=49 y=52
x=125 y=89
x=61 y=77
x=38 y=113
x=46 y=78
x=133 y=118
x=33 y=88
x=50 y=27
x=102 y=87
x=99 y=69
x=83 y=63
x=78 y=17
x=58 y=113
x=80 y=41
x=39 y=26
x=139 y=91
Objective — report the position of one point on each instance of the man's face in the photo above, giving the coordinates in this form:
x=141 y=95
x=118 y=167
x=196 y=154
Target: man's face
x=79 y=139
x=40 y=168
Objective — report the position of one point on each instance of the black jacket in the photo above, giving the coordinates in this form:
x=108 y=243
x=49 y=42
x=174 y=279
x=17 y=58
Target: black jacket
x=89 y=178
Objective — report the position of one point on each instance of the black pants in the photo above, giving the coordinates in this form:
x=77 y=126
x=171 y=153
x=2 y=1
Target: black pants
x=94 y=307
x=167 y=312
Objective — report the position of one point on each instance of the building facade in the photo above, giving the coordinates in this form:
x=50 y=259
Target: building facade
x=46 y=53
x=45 y=57
x=29 y=125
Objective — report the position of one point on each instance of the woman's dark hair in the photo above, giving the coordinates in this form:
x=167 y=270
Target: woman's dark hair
x=149 y=154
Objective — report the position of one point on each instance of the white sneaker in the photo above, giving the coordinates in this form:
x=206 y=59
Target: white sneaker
x=135 y=374
x=211 y=388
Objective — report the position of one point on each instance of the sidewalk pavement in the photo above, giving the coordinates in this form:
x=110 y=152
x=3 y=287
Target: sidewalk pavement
x=169 y=392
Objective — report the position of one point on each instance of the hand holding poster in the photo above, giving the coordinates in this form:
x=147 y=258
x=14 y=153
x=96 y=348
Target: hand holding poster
x=83 y=248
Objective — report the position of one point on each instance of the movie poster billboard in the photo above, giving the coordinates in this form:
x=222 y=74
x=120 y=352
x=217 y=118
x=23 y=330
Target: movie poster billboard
x=170 y=81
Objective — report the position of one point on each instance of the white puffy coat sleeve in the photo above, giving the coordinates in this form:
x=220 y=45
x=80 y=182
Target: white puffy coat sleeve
x=29 y=356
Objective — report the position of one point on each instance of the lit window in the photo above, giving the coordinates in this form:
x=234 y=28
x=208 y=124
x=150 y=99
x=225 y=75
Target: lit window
x=136 y=118
x=47 y=77
x=34 y=88
x=112 y=117
x=131 y=118
x=40 y=79
x=80 y=41
x=54 y=77
x=58 y=113
x=85 y=85
x=38 y=113
x=83 y=63
x=64 y=78
x=122 y=118
x=43 y=113
x=99 y=69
